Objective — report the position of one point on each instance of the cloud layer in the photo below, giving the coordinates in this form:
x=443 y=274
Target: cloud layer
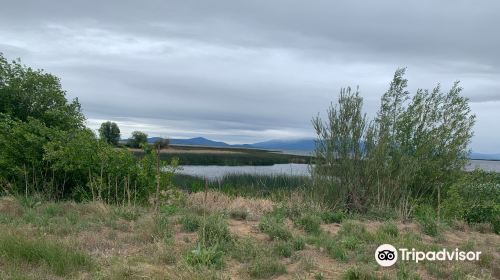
x=245 y=71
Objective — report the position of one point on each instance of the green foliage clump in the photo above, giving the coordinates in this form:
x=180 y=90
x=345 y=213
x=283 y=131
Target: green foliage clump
x=206 y=256
x=475 y=199
x=388 y=230
x=283 y=248
x=265 y=268
x=360 y=273
x=61 y=260
x=273 y=226
x=214 y=232
x=109 y=132
x=190 y=222
x=333 y=217
x=427 y=218
x=415 y=145
x=310 y=223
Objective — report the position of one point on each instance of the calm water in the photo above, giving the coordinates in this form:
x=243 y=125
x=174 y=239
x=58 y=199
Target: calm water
x=214 y=172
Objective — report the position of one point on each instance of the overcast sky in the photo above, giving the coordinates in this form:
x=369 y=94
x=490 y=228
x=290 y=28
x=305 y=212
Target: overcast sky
x=246 y=71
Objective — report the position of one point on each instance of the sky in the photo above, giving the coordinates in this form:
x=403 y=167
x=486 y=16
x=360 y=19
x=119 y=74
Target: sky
x=249 y=71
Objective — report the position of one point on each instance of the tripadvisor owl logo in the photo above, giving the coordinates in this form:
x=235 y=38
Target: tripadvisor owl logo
x=386 y=255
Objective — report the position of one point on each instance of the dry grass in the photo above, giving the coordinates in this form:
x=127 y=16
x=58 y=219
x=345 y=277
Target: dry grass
x=11 y=207
x=216 y=202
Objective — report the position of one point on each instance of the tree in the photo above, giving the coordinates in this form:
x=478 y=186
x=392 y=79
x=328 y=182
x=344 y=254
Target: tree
x=338 y=149
x=109 y=132
x=27 y=93
x=138 y=139
x=415 y=147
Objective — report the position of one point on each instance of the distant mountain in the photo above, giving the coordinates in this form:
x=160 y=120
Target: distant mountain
x=299 y=145
x=286 y=145
x=474 y=155
x=197 y=141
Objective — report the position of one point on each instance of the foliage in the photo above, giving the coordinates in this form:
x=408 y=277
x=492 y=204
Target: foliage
x=265 y=268
x=109 y=132
x=61 y=260
x=138 y=140
x=427 y=218
x=190 y=222
x=413 y=149
x=476 y=199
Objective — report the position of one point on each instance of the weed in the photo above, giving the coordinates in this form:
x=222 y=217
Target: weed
x=190 y=222
x=333 y=217
x=214 y=232
x=359 y=273
x=60 y=259
x=265 y=268
x=283 y=248
x=298 y=243
x=206 y=256
x=274 y=227
x=310 y=223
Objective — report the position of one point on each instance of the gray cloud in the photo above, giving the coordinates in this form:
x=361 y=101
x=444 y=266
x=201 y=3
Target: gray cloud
x=244 y=71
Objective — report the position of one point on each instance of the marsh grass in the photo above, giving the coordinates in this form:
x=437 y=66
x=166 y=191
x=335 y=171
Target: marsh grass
x=61 y=260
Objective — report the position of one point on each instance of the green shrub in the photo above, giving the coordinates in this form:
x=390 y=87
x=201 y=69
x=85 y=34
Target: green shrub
x=356 y=230
x=283 y=248
x=169 y=209
x=265 y=268
x=214 y=232
x=274 y=227
x=206 y=256
x=60 y=259
x=426 y=217
x=359 y=273
x=126 y=213
x=388 y=229
x=310 y=223
x=247 y=249
x=475 y=198
x=299 y=243
x=333 y=217
x=190 y=222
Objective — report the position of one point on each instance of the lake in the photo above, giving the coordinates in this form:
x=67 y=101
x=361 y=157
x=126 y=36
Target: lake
x=216 y=172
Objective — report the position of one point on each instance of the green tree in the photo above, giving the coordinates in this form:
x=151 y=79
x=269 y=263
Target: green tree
x=28 y=93
x=414 y=148
x=138 y=139
x=338 y=150
x=109 y=132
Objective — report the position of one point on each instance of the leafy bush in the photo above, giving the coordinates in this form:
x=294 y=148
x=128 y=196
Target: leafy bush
x=310 y=223
x=214 y=232
x=333 y=217
x=190 y=222
x=274 y=227
x=388 y=229
x=299 y=243
x=426 y=217
x=475 y=199
x=283 y=248
x=206 y=256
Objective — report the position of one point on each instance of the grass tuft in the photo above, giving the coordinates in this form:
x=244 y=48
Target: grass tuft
x=59 y=259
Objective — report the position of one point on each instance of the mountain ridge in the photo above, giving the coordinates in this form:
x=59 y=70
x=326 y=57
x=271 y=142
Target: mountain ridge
x=302 y=145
